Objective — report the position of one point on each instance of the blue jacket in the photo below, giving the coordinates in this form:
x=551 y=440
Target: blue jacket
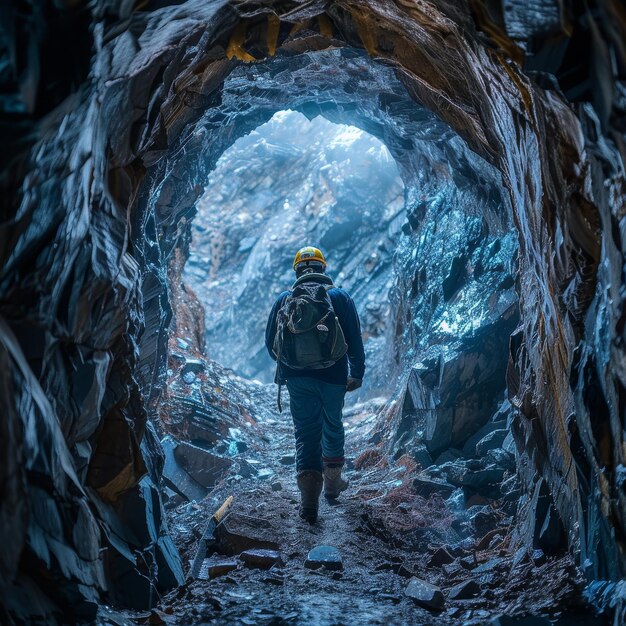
x=352 y=363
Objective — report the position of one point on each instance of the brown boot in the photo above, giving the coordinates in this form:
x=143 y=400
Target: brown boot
x=310 y=486
x=334 y=483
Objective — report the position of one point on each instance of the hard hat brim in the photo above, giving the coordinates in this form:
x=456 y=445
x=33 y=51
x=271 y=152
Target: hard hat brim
x=296 y=265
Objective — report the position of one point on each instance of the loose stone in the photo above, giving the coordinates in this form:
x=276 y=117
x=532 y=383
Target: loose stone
x=464 y=591
x=439 y=558
x=425 y=594
x=488 y=566
x=262 y=559
x=324 y=556
x=216 y=568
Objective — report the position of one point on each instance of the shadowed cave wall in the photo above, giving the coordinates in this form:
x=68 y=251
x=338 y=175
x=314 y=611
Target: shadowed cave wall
x=99 y=174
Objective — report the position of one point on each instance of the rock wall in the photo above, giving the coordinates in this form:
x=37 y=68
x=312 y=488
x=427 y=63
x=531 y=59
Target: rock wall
x=101 y=165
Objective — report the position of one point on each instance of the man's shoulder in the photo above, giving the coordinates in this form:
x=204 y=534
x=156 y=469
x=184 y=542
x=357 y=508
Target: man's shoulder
x=339 y=293
x=281 y=296
x=340 y=290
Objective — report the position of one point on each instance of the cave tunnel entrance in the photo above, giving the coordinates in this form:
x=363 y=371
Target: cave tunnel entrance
x=479 y=147
x=438 y=169
x=438 y=271
x=293 y=180
x=425 y=244
x=289 y=182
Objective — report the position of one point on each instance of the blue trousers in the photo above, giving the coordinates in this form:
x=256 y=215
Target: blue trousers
x=316 y=411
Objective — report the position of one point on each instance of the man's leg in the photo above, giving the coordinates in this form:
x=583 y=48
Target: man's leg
x=306 y=406
x=333 y=438
x=306 y=410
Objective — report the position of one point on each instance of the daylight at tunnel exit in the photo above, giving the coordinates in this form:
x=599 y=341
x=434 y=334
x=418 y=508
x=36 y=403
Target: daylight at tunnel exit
x=313 y=312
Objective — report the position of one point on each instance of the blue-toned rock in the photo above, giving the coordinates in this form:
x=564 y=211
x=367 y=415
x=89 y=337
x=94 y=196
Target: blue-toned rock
x=324 y=556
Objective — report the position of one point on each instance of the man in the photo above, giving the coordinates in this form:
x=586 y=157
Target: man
x=319 y=360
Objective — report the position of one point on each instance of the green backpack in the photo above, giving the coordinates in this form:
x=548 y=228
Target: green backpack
x=308 y=333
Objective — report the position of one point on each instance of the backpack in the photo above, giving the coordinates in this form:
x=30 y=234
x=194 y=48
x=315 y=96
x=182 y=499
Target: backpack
x=308 y=333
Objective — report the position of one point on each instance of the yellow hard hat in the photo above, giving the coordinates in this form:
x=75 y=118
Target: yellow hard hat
x=309 y=253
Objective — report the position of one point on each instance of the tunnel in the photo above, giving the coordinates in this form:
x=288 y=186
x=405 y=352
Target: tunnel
x=342 y=188
x=486 y=456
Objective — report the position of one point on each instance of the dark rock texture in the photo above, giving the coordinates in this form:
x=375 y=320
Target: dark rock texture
x=106 y=140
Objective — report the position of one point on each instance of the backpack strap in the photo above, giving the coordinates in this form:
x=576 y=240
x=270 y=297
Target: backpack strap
x=279 y=401
x=279 y=378
x=279 y=373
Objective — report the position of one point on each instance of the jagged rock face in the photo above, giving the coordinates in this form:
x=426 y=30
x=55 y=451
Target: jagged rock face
x=95 y=201
x=454 y=265
x=454 y=308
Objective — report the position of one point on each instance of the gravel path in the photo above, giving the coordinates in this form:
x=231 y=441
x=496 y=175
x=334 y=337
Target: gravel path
x=384 y=533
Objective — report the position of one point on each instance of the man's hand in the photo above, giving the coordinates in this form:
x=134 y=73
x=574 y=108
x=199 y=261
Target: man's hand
x=353 y=384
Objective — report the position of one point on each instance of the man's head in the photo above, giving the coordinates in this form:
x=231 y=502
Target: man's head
x=309 y=260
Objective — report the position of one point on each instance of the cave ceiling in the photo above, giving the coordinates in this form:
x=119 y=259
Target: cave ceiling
x=343 y=85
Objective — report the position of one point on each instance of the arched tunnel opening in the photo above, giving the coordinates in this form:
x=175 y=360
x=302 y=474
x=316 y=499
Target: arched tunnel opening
x=290 y=181
x=486 y=455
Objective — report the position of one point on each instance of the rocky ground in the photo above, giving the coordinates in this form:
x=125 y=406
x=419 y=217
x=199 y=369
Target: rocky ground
x=405 y=558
